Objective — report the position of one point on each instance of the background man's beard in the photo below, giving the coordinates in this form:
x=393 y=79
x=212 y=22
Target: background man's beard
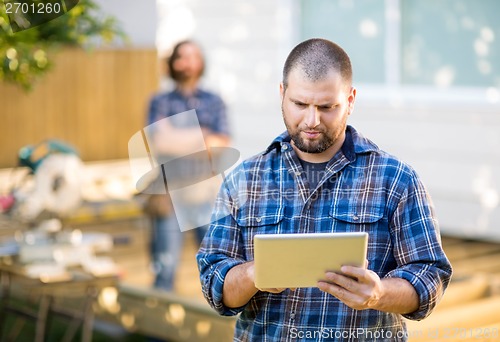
x=182 y=77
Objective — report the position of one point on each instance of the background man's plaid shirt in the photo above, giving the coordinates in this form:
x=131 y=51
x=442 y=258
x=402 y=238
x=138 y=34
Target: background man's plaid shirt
x=363 y=189
x=210 y=109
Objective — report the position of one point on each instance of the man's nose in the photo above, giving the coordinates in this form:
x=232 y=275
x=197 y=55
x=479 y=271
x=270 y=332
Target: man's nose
x=312 y=117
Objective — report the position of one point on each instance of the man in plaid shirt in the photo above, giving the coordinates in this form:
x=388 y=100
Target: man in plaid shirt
x=321 y=175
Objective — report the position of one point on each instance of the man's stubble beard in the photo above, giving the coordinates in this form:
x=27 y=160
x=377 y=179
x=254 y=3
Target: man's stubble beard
x=327 y=138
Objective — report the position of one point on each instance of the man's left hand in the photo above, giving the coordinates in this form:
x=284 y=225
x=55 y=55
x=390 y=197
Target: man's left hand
x=356 y=287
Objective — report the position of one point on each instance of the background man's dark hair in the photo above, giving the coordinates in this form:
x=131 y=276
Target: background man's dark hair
x=316 y=57
x=175 y=75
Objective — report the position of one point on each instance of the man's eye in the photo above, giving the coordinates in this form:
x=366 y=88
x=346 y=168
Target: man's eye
x=300 y=104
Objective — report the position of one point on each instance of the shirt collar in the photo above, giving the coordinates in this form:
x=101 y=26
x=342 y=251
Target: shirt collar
x=354 y=143
x=277 y=142
x=178 y=93
x=348 y=146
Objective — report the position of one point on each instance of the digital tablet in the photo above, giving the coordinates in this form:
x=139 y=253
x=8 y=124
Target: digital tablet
x=300 y=260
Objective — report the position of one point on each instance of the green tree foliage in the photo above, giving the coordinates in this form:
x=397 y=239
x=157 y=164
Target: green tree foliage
x=28 y=54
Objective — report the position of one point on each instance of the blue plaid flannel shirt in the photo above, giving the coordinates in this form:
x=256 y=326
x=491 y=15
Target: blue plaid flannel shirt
x=363 y=189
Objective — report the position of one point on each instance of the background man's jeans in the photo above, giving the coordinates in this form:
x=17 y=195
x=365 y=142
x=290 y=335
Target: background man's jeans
x=167 y=242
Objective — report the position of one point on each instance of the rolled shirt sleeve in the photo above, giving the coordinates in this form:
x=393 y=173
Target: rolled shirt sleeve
x=220 y=251
x=213 y=270
x=417 y=248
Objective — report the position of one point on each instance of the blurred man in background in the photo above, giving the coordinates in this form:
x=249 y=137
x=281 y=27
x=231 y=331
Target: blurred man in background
x=174 y=138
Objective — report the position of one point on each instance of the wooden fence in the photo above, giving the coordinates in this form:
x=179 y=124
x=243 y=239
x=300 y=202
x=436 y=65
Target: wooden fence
x=93 y=100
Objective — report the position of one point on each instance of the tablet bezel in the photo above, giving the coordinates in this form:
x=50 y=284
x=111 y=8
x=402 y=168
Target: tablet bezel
x=301 y=259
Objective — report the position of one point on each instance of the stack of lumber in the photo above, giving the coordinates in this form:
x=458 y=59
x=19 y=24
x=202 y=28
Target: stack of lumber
x=470 y=309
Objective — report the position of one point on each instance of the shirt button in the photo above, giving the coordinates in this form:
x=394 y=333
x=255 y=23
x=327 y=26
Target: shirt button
x=285 y=147
x=297 y=173
x=355 y=217
x=292 y=316
x=258 y=219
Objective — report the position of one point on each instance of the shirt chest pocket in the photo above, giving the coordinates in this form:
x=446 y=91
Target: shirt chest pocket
x=264 y=220
x=367 y=218
x=253 y=221
x=358 y=218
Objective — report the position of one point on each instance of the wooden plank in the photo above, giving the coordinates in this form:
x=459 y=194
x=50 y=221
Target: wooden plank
x=449 y=241
x=487 y=264
x=464 y=291
x=470 y=249
x=441 y=323
x=168 y=316
x=136 y=272
x=495 y=284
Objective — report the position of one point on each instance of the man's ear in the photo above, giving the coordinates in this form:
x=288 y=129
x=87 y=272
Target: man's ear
x=282 y=91
x=351 y=99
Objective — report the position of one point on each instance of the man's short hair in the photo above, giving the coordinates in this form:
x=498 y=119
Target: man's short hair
x=315 y=58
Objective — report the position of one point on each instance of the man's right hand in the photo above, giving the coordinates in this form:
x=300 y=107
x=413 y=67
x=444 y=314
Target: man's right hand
x=239 y=285
x=251 y=274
